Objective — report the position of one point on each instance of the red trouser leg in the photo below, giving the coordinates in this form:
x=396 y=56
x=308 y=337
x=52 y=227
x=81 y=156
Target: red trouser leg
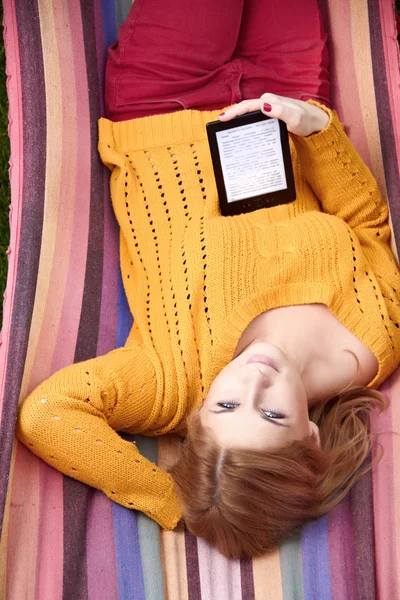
x=174 y=55
x=283 y=48
x=209 y=54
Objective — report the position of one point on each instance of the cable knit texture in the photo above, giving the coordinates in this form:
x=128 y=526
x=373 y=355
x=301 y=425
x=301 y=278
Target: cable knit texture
x=195 y=280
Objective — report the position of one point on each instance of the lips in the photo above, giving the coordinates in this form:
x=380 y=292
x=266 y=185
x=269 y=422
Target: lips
x=264 y=360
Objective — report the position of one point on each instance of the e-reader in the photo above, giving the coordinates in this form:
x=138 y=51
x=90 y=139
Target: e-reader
x=252 y=164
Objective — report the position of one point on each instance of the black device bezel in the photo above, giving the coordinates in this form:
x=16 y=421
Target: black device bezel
x=256 y=202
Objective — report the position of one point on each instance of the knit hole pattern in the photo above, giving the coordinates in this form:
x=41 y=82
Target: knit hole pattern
x=204 y=256
x=198 y=171
x=202 y=240
x=188 y=298
x=134 y=236
x=342 y=155
x=177 y=172
x=164 y=200
x=88 y=384
x=384 y=280
x=176 y=169
x=381 y=311
x=355 y=275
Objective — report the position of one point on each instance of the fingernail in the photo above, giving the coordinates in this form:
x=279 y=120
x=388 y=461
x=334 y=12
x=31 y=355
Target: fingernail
x=221 y=115
x=267 y=107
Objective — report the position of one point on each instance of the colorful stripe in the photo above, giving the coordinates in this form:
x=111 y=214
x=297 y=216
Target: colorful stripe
x=65 y=302
x=28 y=208
x=387 y=133
x=341 y=552
x=101 y=559
x=316 y=561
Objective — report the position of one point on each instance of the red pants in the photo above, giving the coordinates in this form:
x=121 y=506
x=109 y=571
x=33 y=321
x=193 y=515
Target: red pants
x=209 y=54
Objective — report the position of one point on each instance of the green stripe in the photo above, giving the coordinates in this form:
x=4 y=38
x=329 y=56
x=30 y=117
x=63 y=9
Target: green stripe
x=122 y=8
x=149 y=534
x=291 y=562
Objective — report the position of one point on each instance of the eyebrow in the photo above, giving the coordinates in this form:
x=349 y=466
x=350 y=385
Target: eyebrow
x=273 y=421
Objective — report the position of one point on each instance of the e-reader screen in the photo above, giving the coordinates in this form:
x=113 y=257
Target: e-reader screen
x=252 y=164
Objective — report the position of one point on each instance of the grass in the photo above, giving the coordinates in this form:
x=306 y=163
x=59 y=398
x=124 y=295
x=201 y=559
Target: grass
x=4 y=156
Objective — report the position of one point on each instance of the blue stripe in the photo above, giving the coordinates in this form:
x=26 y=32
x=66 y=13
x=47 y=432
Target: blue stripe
x=125 y=319
x=127 y=546
x=127 y=552
x=316 y=561
x=109 y=28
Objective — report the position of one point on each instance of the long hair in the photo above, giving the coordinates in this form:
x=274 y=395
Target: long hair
x=246 y=502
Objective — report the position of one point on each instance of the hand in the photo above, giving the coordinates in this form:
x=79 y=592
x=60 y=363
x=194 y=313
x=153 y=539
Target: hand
x=300 y=117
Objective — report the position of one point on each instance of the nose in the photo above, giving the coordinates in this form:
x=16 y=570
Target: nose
x=257 y=380
x=257 y=374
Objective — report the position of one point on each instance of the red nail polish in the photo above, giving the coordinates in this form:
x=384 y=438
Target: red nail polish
x=267 y=107
x=221 y=115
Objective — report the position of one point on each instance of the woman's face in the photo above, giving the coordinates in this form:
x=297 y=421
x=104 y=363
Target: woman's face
x=258 y=401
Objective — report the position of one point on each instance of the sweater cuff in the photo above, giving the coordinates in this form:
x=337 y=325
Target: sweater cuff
x=170 y=512
x=332 y=132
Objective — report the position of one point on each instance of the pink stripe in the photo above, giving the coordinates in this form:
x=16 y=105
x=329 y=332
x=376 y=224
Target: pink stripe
x=15 y=132
x=101 y=559
x=58 y=333
x=395 y=395
x=341 y=552
x=109 y=295
x=392 y=58
x=384 y=498
x=345 y=96
x=219 y=577
x=58 y=290
x=71 y=310
x=49 y=582
x=23 y=526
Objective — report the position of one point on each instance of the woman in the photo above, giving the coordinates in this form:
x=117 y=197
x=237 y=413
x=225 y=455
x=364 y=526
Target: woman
x=255 y=335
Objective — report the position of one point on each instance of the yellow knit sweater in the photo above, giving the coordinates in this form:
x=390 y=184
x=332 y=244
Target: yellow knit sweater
x=195 y=280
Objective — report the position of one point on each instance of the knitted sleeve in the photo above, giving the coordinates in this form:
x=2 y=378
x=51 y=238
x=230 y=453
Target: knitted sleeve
x=342 y=182
x=346 y=188
x=70 y=422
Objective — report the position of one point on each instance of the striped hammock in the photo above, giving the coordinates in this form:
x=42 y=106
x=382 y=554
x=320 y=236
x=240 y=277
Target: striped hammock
x=64 y=303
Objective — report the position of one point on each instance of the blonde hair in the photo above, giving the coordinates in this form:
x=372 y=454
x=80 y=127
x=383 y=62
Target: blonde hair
x=246 y=502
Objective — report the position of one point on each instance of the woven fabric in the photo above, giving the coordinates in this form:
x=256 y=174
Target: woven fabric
x=64 y=303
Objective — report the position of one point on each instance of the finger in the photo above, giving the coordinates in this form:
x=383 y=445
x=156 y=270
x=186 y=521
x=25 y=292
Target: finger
x=273 y=110
x=275 y=99
x=290 y=113
x=272 y=98
x=241 y=109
